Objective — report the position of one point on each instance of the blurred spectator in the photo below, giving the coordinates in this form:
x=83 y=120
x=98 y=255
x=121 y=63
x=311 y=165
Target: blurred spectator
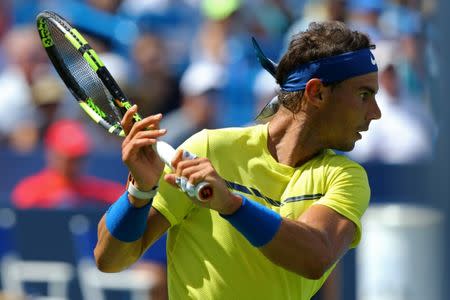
x=139 y=7
x=411 y=65
x=398 y=19
x=364 y=15
x=109 y=6
x=26 y=61
x=5 y=13
x=315 y=11
x=172 y=21
x=200 y=85
x=224 y=39
x=47 y=92
x=402 y=21
x=62 y=183
x=212 y=42
x=5 y=23
x=116 y=63
x=102 y=35
x=269 y=19
x=406 y=131
x=155 y=89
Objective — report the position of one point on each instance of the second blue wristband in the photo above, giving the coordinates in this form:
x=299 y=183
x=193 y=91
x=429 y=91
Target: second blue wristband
x=257 y=223
x=126 y=222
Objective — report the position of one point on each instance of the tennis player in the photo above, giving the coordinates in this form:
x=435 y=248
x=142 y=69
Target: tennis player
x=285 y=208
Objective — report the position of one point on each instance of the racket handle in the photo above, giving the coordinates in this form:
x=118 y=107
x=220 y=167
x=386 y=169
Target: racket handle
x=202 y=191
x=165 y=152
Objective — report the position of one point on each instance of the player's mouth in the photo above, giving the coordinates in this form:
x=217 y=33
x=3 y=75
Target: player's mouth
x=358 y=133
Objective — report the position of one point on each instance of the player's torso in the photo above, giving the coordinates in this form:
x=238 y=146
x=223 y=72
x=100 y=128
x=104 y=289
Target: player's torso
x=251 y=171
x=225 y=260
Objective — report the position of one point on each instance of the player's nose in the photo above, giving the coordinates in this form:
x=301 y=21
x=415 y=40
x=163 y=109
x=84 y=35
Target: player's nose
x=374 y=111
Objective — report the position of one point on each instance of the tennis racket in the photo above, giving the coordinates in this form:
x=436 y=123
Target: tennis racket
x=95 y=89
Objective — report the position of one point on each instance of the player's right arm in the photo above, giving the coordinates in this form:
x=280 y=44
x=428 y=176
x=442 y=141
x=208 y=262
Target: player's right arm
x=112 y=254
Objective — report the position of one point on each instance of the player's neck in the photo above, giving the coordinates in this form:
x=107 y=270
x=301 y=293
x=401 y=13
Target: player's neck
x=292 y=140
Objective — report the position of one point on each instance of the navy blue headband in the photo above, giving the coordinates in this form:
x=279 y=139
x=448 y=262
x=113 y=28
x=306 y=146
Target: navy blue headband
x=329 y=69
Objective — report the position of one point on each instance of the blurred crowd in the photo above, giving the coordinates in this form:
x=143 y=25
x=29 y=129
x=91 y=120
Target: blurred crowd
x=193 y=61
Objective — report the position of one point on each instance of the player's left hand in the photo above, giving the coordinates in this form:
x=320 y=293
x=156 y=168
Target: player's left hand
x=201 y=170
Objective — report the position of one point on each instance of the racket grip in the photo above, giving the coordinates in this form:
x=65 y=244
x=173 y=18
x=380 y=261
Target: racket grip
x=165 y=152
x=202 y=191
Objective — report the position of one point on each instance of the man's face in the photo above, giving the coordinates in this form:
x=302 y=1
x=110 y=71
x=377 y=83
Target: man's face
x=348 y=109
x=70 y=167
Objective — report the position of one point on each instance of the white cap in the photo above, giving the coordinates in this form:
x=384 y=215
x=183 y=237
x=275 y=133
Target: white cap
x=201 y=77
x=386 y=54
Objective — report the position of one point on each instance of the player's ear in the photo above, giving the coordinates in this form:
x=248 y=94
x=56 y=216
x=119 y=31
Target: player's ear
x=314 y=91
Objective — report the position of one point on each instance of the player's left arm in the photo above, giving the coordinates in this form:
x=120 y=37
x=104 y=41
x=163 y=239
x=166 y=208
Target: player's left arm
x=315 y=241
x=310 y=245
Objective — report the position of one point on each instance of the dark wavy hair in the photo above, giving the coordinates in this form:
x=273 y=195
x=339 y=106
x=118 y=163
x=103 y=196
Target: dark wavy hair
x=320 y=40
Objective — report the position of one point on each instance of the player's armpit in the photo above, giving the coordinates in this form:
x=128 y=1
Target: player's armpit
x=157 y=225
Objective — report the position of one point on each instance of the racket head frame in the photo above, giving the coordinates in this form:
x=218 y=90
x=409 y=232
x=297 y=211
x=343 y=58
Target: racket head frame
x=120 y=102
x=202 y=191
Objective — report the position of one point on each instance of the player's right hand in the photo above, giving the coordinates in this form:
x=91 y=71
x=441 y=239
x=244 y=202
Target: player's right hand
x=196 y=170
x=137 y=151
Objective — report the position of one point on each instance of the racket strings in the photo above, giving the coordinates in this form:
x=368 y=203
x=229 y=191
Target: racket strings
x=89 y=84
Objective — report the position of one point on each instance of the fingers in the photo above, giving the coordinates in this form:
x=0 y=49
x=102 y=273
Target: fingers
x=201 y=190
x=150 y=122
x=131 y=147
x=194 y=170
x=131 y=127
x=185 y=163
x=188 y=167
x=137 y=134
x=194 y=173
x=171 y=179
x=142 y=136
x=177 y=158
x=196 y=177
x=127 y=120
x=191 y=175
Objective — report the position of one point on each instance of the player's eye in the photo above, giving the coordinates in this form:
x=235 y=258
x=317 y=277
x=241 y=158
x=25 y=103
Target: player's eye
x=364 y=95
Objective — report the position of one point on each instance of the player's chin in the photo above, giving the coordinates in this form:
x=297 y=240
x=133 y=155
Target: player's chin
x=346 y=147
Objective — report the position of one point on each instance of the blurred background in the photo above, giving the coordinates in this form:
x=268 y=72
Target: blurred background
x=193 y=61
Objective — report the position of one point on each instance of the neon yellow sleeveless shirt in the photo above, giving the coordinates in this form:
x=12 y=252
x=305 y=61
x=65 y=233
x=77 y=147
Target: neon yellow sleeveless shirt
x=209 y=259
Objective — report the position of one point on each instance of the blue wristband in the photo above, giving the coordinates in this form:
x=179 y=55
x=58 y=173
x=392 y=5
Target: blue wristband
x=255 y=222
x=126 y=222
